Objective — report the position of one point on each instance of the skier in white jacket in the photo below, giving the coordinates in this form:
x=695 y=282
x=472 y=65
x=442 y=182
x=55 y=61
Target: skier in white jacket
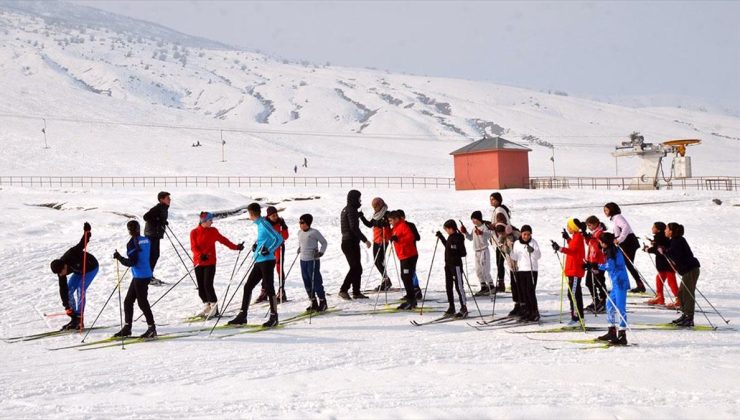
x=524 y=257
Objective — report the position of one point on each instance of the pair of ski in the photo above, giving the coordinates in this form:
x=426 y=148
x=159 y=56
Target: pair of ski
x=583 y=344
x=301 y=316
x=389 y=309
x=47 y=334
x=441 y=320
x=638 y=327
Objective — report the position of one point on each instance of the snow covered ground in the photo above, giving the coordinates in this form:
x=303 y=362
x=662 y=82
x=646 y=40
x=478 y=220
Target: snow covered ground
x=371 y=366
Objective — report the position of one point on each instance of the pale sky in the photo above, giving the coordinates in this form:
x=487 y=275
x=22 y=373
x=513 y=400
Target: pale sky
x=583 y=48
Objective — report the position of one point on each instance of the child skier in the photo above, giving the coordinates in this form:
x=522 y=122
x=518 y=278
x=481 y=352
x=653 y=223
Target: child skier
x=626 y=241
x=616 y=305
x=665 y=272
x=404 y=244
x=454 y=252
x=381 y=237
x=595 y=280
x=574 y=256
x=203 y=244
x=278 y=223
x=525 y=255
x=680 y=256
x=498 y=212
x=505 y=236
x=417 y=238
x=268 y=241
x=481 y=237
x=83 y=267
x=310 y=254
x=137 y=251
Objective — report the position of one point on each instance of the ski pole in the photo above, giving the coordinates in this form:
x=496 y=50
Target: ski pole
x=180 y=243
x=82 y=292
x=429 y=275
x=233 y=271
x=572 y=297
x=592 y=289
x=382 y=280
x=509 y=270
x=284 y=275
x=710 y=304
x=249 y=270
x=370 y=272
x=615 y=308
x=562 y=282
x=313 y=291
x=642 y=278
x=465 y=276
x=168 y=291
x=120 y=307
x=105 y=304
x=180 y=257
x=692 y=295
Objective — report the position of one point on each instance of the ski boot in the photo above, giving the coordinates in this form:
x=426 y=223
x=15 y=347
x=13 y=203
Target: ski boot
x=150 y=332
x=213 y=311
x=463 y=313
x=241 y=318
x=515 y=312
x=658 y=300
x=450 y=312
x=418 y=293
x=125 y=331
x=262 y=296
x=204 y=312
x=675 y=305
x=344 y=295
x=687 y=322
x=322 y=305
x=408 y=305
x=73 y=324
x=385 y=285
x=610 y=335
x=639 y=289
x=534 y=316
x=155 y=282
x=314 y=307
x=500 y=286
x=282 y=296
x=359 y=295
x=679 y=320
x=273 y=320
x=620 y=339
x=484 y=290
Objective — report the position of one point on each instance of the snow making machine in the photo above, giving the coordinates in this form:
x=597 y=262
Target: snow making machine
x=652 y=173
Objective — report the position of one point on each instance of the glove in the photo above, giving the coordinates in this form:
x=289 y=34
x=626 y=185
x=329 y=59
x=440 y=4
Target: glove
x=254 y=247
x=264 y=251
x=555 y=246
x=587 y=235
x=587 y=266
x=86 y=227
x=240 y=246
x=166 y=223
x=439 y=235
x=318 y=254
x=394 y=238
x=565 y=235
x=204 y=257
x=463 y=229
x=116 y=255
x=530 y=249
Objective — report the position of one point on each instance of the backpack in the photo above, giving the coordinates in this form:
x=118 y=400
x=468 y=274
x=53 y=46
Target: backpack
x=412 y=226
x=506 y=209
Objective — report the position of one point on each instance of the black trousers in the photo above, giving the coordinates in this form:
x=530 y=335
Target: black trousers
x=575 y=286
x=630 y=247
x=527 y=283
x=138 y=291
x=408 y=269
x=453 y=275
x=379 y=253
x=205 y=275
x=261 y=272
x=596 y=284
x=351 y=250
x=153 y=251
x=500 y=270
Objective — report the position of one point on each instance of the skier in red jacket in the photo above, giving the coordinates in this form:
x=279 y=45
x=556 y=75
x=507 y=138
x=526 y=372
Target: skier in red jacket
x=575 y=253
x=203 y=244
x=404 y=243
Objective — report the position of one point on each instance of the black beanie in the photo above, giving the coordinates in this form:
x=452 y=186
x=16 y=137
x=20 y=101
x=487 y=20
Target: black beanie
x=526 y=228
x=450 y=224
x=307 y=218
x=56 y=266
x=477 y=215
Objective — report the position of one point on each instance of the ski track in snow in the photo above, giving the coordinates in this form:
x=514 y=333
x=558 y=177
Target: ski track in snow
x=369 y=366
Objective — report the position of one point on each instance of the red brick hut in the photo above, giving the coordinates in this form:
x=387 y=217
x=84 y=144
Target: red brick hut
x=491 y=163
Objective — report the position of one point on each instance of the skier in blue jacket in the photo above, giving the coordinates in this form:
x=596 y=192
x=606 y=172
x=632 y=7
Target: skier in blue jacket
x=137 y=251
x=617 y=269
x=268 y=240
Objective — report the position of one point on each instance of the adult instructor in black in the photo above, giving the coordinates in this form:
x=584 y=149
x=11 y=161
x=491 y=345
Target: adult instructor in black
x=155 y=228
x=349 y=222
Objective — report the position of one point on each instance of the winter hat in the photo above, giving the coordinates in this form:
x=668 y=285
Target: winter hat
x=307 y=219
x=450 y=224
x=477 y=215
x=271 y=210
x=378 y=203
x=205 y=216
x=353 y=198
x=394 y=214
x=573 y=225
x=526 y=228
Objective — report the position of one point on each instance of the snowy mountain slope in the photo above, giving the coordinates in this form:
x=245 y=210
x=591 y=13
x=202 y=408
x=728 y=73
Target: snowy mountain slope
x=76 y=67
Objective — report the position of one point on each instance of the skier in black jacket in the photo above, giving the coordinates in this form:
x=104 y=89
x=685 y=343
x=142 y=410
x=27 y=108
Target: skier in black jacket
x=155 y=228
x=83 y=267
x=681 y=257
x=454 y=252
x=351 y=238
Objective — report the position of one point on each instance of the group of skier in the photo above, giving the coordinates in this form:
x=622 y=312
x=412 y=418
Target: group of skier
x=590 y=252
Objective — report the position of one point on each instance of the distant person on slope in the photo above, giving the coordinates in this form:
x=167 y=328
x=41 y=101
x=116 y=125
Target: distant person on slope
x=626 y=241
x=155 y=229
x=381 y=237
x=404 y=244
x=351 y=238
x=268 y=241
x=137 y=251
x=82 y=268
x=203 y=244
x=278 y=223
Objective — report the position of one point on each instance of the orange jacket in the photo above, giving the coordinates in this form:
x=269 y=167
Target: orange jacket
x=405 y=246
x=203 y=242
x=575 y=253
